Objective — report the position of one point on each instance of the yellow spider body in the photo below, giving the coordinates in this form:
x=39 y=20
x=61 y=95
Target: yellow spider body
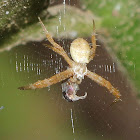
x=82 y=54
x=80 y=50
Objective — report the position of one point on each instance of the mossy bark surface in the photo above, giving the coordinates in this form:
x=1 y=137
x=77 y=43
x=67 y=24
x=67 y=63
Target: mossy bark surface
x=15 y=14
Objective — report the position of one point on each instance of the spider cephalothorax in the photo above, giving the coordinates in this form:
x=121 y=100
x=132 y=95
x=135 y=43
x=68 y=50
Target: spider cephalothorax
x=81 y=54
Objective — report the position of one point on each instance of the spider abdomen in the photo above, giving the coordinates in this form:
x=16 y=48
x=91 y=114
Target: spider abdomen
x=80 y=50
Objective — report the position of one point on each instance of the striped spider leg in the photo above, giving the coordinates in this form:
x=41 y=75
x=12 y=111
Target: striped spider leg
x=50 y=81
x=55 y=47
x=58 y=77
x=94 y=46
x=103 y=82
x=93 y=76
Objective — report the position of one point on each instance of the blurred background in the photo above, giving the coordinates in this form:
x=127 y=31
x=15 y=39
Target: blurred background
x=43 y=114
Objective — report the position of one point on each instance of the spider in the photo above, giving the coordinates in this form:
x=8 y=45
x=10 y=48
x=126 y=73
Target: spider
x=81 y=54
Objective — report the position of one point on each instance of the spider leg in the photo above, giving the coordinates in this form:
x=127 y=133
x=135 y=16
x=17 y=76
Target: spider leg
x=53 y=48
x=93 y=40
x=56 y=47
x=101 y=81
x=50 y=81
